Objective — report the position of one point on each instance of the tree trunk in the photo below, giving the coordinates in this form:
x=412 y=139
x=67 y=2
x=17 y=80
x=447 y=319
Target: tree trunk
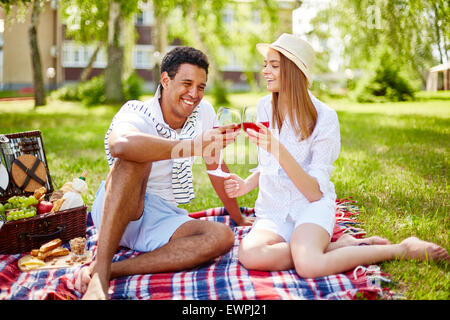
x=38 y=80
x=214 y=72
x=113 y=71
x=438 y=32
x=159 y=40
x=87 y=71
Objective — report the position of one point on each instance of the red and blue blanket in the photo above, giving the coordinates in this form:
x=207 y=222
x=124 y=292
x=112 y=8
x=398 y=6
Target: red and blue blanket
x=222 y=279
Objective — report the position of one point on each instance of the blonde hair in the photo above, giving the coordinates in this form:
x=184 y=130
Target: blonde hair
x=294 y=94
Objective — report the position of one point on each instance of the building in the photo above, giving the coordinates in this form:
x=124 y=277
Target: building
x=439 y=77
x=63 y=60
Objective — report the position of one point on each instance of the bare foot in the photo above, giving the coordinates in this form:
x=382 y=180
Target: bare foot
x=95 y=290
x=415 y=248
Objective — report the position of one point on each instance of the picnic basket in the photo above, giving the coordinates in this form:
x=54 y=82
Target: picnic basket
x=22 y=235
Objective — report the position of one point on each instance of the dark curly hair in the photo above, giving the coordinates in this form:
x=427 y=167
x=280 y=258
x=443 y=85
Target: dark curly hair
x=179 y=55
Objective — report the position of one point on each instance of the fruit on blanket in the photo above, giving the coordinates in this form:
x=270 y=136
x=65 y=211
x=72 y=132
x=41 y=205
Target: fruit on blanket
x=44 y=207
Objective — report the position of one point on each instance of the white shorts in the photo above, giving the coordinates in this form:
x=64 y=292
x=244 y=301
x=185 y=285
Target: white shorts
x=320 y=213
x=153 y=229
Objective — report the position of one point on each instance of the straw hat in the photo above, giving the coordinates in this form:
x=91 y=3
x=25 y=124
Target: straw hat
x=294 y=48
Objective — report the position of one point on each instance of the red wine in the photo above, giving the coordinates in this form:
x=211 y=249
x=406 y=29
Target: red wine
x=252 y=125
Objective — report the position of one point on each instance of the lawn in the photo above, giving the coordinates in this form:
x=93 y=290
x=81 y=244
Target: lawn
x=393 y=162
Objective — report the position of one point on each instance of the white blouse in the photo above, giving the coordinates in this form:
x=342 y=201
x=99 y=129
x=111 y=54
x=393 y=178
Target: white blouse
x=278 y=197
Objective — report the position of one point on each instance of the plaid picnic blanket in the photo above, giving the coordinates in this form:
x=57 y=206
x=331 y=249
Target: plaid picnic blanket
x=222 y=279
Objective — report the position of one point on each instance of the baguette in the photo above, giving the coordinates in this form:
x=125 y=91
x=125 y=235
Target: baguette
x=50 y=245
x=57 y=205
x=56 y=252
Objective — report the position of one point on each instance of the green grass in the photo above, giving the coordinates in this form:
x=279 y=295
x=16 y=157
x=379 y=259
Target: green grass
x=393 y=162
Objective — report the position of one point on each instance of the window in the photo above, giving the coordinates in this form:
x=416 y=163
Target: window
x=227 y=16
x=144 y=18
x=77 y=56
x=143 y=57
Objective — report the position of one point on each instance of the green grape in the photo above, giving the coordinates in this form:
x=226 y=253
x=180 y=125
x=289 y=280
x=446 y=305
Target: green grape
x=8 y=206
x=31 y=201
x=29 y=214
x=12 y=200
x=2 y=213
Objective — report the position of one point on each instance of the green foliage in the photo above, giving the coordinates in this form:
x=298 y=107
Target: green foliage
x=67 y=93
x=92 y=92
x=220 y=93
x=86 y=21
x=384 y=82
x=133 y=87
x=417 y=31
x=226 y=31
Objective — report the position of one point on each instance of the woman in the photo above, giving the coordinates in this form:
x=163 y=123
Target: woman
x=295 y=208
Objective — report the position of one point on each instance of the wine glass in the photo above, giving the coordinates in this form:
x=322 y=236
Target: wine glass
x=225 y=116
x=249 y=120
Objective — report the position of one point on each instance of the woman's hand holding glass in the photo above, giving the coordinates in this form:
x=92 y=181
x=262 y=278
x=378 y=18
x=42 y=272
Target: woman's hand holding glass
x=264 y=139
x=256 y=129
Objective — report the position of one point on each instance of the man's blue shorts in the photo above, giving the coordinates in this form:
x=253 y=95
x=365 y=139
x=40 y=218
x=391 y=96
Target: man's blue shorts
x=154 y=228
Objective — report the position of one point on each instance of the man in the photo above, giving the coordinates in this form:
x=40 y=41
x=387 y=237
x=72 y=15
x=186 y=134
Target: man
x=149 y=148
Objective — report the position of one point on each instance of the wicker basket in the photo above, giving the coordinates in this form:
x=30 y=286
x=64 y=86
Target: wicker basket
x=23 y=235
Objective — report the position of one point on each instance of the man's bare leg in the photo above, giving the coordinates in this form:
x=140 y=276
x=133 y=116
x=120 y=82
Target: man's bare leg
x=193 y=243
x=124 y=202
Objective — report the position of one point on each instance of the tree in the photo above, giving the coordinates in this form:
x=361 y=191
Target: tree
x=86 y=23
x=160 y=32
x=38 y=80
x=102 y=22
x=119 y=11
x=201 y=24
x=411 y=28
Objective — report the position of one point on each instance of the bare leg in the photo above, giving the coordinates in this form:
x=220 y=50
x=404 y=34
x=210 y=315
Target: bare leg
x=309 y=243
x=347 y=240
x=124 y=200
x=193 y=243
x=265 y=250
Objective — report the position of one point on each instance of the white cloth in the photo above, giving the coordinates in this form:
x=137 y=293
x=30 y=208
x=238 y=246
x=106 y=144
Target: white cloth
x=278 y=197
x=140 y=115
x=182 y=185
